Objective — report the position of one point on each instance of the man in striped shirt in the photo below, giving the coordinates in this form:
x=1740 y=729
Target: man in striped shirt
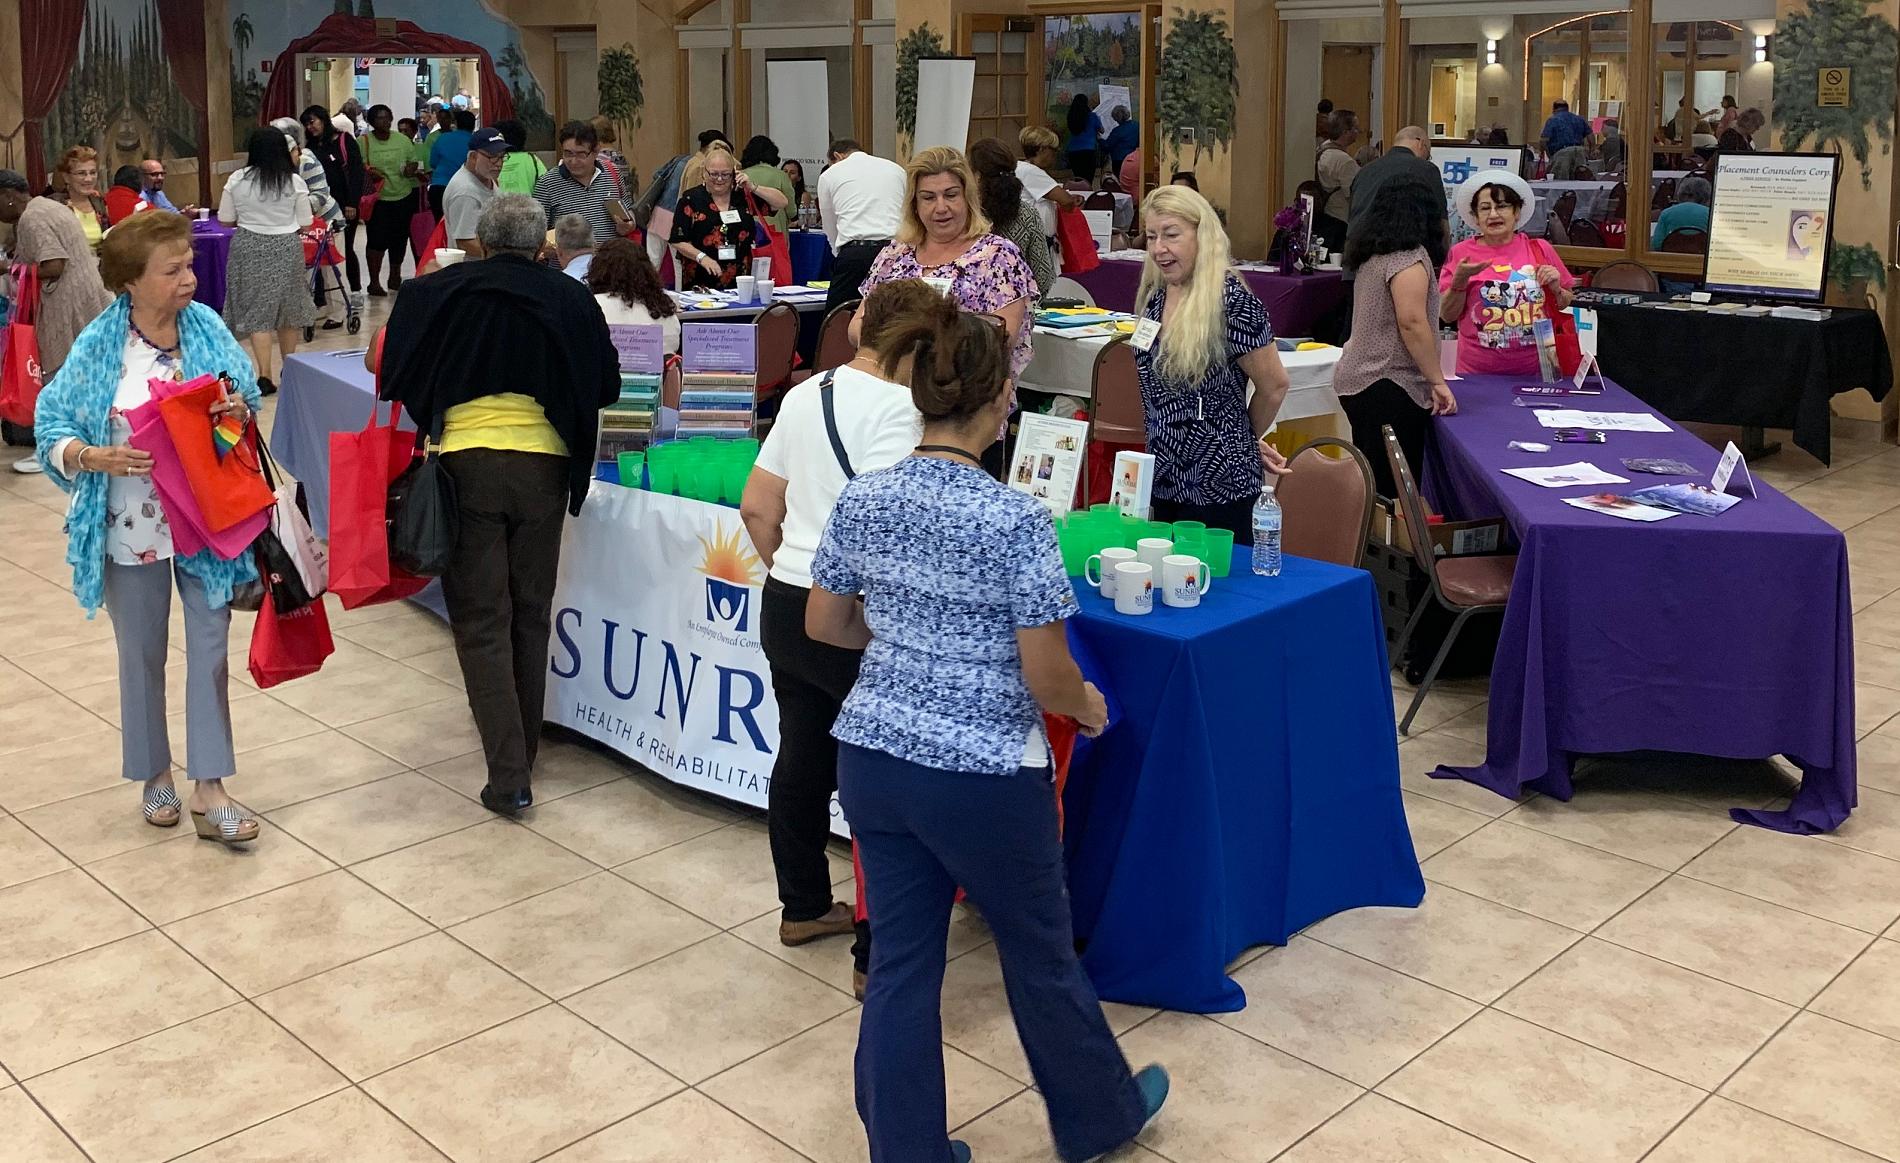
x=583 y=184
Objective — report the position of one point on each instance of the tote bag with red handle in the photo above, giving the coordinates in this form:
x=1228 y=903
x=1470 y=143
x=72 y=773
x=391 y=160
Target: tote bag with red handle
x=1563 y=324
x=769 y=243
x=362 y=467
x=229 y=487
x=20 y=366
x=287 y=646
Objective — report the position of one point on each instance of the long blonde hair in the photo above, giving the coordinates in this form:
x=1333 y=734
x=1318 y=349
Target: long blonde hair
x=695 y=172
x=1195 y=339
x=940 y=159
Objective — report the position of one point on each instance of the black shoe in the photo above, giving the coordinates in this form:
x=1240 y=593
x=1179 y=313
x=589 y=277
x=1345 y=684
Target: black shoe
x=332 y=324
x=507 y=803
x=376 y=292
x=265 y=387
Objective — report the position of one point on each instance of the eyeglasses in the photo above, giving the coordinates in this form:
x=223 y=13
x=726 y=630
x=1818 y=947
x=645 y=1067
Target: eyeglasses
x=725 y=174
x=577 y=155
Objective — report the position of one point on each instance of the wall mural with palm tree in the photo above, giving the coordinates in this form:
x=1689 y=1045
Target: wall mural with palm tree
x=1080 y=54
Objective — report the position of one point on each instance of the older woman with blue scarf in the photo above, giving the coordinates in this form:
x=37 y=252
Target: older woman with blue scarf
x=119 y=541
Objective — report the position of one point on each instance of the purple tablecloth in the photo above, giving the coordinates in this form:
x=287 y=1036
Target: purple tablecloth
x=210 y=251
x=1729 y=636
x=1295 y=303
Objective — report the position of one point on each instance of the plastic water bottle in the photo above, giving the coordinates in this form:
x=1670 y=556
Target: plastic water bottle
x=1266 y=534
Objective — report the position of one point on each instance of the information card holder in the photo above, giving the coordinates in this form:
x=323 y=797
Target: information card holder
x=1732 y=459
x=1587 y=367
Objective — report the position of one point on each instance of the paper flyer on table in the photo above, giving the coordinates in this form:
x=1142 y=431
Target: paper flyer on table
x=1697 y=499
x=1558 y=476
x=1615 y=506
x=1606 y=421
x=1048 y=459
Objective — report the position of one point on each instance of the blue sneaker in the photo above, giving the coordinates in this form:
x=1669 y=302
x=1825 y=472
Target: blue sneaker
x=1153 y=1084
x=959 y=1151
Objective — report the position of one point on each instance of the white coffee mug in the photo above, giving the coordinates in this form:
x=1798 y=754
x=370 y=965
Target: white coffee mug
x=1134 y=588
x=748 y=288
x=204 y=214
x=1150 y=550
x=765 y=290
x=448 y=256
x=1103 y=566
x=1184 y=579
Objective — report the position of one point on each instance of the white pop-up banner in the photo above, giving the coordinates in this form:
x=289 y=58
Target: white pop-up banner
x=655 y=650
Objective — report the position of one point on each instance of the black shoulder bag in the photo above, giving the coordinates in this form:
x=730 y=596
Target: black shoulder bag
x=831 y=426
x=423 y=518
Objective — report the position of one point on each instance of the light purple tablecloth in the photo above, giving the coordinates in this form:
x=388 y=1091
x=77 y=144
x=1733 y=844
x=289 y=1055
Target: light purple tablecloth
x=210 y=252
x=1728 y=636
x=1295 y=303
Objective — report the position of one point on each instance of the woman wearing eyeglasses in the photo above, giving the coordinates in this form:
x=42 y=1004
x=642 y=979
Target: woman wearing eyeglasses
x=713 y=226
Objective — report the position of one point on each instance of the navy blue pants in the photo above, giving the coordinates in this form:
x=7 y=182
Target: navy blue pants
x=922 y=833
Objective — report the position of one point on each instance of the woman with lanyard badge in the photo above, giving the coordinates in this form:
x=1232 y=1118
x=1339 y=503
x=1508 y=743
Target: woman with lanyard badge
x=1202 y=338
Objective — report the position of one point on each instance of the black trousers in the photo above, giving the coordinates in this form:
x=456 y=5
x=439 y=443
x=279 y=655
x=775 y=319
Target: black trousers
x=1082 y=163
x=1369 y=411
x=500 y=592
x=848 y=268
x=1234 y=515
x=435 y=200
x=352 y=264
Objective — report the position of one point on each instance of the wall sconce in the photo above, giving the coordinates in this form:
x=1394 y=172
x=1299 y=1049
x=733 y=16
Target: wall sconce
x=1491 y=52
x=1761 y=49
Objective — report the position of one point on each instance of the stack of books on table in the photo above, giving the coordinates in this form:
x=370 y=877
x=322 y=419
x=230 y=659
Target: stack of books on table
x=628 y=424
x=719 y=390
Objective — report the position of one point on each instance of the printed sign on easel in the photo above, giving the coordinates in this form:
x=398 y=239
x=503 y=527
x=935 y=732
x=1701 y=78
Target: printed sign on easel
x=1048 y=460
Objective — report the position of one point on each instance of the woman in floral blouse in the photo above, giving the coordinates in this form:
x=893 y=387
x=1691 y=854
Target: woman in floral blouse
x=713 y=225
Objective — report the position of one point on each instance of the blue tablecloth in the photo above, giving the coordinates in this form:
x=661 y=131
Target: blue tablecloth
x=1250 y=787
x=811 y=255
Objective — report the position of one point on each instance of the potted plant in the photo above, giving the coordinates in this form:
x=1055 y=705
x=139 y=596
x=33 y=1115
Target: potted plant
x=1850 y=269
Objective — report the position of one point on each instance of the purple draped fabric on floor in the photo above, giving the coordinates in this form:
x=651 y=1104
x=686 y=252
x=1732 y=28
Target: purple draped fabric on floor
x=210 y=251
x=1729 y=636
x=1295 y=303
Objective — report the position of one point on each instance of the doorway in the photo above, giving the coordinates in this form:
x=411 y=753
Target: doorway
x=1345 y=77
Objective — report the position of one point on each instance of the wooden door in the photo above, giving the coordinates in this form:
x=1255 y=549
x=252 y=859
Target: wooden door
x=1345 y=76
x=1008 y=56
x=1444 y=110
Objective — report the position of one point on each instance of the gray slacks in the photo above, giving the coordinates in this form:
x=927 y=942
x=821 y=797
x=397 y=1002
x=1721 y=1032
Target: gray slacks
x=139 y=598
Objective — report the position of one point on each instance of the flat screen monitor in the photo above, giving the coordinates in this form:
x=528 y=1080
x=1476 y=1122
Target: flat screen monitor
x=1771 y=224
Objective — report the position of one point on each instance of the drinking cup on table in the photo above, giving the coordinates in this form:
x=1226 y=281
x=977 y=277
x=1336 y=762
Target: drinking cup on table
x=1220 y=550
x=765 y=290
x=748 y=288
x=1191 y=545
x=1134 y=588
x=1184 y=579
x=1099 y=569
x=1150 y=550
x=204 y=214
x=448 y=256
x=1188 y=528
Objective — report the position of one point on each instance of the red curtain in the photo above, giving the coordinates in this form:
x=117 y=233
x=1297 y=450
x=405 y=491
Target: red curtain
x=357 y=36
x=49 y=42
x=181 y=27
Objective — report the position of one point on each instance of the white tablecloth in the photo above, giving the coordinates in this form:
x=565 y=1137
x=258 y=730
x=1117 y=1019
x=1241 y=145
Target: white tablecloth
x=1064 y=366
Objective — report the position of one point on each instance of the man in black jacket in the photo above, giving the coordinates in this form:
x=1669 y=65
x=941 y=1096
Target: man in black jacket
x=508 y=362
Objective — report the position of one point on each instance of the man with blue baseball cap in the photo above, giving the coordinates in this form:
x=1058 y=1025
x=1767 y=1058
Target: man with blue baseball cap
x=472 y=188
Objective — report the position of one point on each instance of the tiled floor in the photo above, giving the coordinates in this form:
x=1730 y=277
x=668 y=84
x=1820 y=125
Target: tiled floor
x=392 y=974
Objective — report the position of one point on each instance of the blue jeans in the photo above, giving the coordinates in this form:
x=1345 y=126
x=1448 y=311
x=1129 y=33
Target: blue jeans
x=922 y=833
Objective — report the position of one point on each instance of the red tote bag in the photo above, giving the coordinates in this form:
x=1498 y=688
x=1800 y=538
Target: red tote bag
x=769 y=243
x=1562 y=323
x=362 y=467
x=287 y=646
x=20 y=366
x=1078 y=245
x=230 y=488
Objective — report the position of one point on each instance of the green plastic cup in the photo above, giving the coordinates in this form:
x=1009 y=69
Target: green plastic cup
x=1194 y=545
x=1077 y=546
x=662 y=476
x=1189 y=528
x=733 y=474
x=632 y=468
x=1105 y=507
x=1159 y=529
x=1220 y=551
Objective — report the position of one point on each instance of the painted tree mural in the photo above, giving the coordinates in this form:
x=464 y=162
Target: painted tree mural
x=120 y=99
x=530 y=107
x=922 y=41
x=1836 y=32
x=1198 y=86
x=622 y=92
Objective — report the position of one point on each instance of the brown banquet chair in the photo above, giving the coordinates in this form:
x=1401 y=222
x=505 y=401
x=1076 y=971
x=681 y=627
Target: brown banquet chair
x=1326 y=502
x=1584 y=232
x=1625 y=275
x=1683 y=240
x=777 y=346
x=835 y=347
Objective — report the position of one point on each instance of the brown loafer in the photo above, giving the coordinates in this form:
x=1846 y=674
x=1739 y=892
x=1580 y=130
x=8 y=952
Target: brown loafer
x=836 y=922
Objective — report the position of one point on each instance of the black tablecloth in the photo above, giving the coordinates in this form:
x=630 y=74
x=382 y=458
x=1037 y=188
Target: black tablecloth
x=1757 y=372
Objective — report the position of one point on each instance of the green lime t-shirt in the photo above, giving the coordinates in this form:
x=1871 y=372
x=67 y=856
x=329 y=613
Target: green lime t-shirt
x=390 y=155
x=773 y=178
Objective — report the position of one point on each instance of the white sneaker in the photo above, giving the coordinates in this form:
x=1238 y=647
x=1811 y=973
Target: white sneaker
x=27 y=467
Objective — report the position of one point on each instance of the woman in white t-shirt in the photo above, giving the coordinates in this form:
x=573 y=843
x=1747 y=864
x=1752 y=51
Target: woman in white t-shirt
x=267 y=289
x=830 y=428
x=628 y=290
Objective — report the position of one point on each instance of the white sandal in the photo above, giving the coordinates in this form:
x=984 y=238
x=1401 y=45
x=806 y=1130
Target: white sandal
x=161 y=807
x=226 y=824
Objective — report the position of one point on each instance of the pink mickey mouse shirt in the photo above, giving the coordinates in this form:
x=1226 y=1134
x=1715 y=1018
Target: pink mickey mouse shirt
x=1502 y=304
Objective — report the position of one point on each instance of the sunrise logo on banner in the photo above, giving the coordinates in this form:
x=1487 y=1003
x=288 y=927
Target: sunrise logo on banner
x=731 y=570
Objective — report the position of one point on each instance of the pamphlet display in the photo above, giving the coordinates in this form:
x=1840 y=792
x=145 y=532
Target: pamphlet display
x=1769 y=224
x=628 y=424
x=719 y=382
x=1134 y=484
x=1048 y=460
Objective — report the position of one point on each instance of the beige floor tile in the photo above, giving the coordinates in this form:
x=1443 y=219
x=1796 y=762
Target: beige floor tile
x=31 y=1136
x=256 y=722
x=1641 y=825
x=1421 y=754
x=443 y=665
x=1683 y=1024
x=1018 y=1132
x=102 y=698
x=724 y=876
x=65 y=1010
x=1440 y=706
x=42 y=719
x=131 y=1105
x=17 y=684
x=67 y=668
x=1340 y=1012
x=977 y=1018
x=188 y=875
x=1735 y=938
x=1377 y=1130
x=1453 y=940
x=1828 y=1077
x=1233 y=1100
x=687 y=1126
x=297 y=931
x=57 y=916
x=1542 y=875
x=1868 y=993
x=1540 y=1094
x=830 y=960
x=374 y=818
x=1878 y=763
x=99 y=824
x=1468 y=724
x=422 y=735
x=1820 y=879
x=402 y=636
x=24 y=856
x=1875 y=825
x=709 y=1006
x=1879 y=665
x=477 y=870
x=342 y=695
x=1437 y=825
x=582 y=934
x=521 y=1090
x=628 y=817
x=1873 y=705
x=371 y=1015
x=1725 y=1132
x=303 y=769
x=344 y=1126
x=802 y=1092
x=561 y=768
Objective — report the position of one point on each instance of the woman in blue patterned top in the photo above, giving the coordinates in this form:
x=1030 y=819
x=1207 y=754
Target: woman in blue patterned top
x=1207 y=437
x=943 y=766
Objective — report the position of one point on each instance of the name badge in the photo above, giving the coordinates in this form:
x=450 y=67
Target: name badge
x=728 y=253
x=729 y=217
x=1144 y=336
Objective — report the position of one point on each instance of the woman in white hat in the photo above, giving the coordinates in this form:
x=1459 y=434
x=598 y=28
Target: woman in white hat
x=1495 y=286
